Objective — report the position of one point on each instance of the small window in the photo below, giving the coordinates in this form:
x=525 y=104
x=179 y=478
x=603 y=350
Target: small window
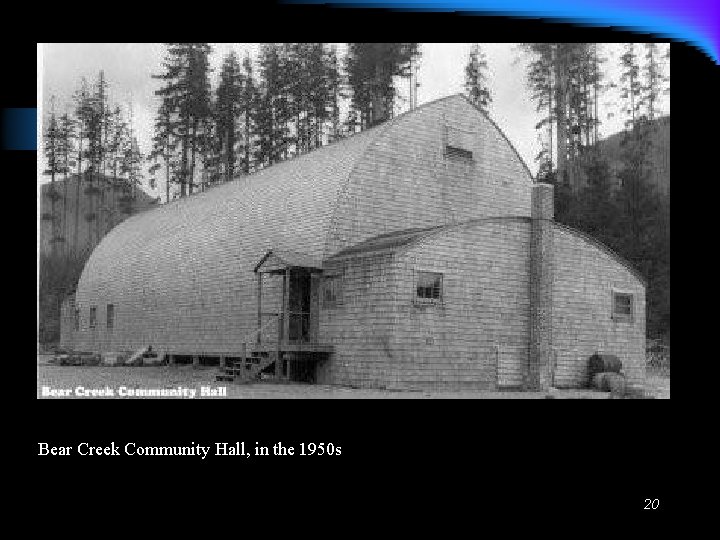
x=77 y=319
x=429 y=287
x=93 y=317
x=332 y=291
x=623 y=308
x=459 y=153
x=459 y=143
x=110 y=316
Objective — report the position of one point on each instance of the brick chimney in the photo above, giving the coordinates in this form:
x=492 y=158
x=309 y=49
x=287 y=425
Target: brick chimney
x=541 y=279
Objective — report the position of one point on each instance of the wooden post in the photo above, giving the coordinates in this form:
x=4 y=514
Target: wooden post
x=259 y=306
x=286 y=306
x=244 y=361
x=284 y=322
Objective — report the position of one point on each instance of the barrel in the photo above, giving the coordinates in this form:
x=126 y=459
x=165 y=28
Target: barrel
x=603 y=363
x=615 y=383
x=599 y=381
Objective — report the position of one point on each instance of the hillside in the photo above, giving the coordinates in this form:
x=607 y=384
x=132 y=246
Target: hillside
x=118 y=201
x=82 y=220
x=658 y=160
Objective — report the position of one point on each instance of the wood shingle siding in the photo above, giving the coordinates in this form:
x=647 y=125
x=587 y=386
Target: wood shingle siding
x=373 y=211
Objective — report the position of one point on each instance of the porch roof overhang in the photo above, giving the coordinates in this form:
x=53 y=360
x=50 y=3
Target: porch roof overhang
x=278 y=260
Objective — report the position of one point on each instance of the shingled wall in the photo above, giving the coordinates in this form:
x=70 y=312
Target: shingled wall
x=180 y=277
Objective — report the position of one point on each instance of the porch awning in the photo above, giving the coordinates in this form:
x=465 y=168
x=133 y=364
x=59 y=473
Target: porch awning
x=275 y=260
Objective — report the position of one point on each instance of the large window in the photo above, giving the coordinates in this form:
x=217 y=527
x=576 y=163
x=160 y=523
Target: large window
x=622 y=306
x=429 y=287
x=77 y=319
x=110 y=316
x=93 y=317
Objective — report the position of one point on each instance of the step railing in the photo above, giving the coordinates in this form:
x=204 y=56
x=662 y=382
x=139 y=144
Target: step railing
x=249 y=338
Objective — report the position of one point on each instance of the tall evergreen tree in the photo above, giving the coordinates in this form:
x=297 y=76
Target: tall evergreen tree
x=272 y=113
x=541 y=82
x=55 y=167
x=631 y=86
x=186 y=97
x=66 y=152
x=476 y=84
x=130 y=167
x=83 y=115
x=334 y=81
x=248 y=104
x=564 y=78
x=228 y=112
x=116 y=151
x=164 y=146
x=370 y=69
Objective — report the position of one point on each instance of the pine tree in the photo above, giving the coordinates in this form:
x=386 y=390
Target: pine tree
x=186 y=97
x=116 y=150
x=165 y=142
x=655 y=80
x=370 y=69
x=631 y=92
x=272 y=113
x=83 y=115
x=103 y=118
x=66 y=149
x=55 y=167
x=476 y=86
x=334 y=81
x=564 y=79
x=541 y=82
x=228 y=111
x=248 y=104
x=130 y=166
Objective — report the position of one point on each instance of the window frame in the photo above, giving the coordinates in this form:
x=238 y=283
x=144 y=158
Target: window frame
x=76 y=319
x=622 y=316
x=453 y=152
x=92 y=320
x=425 y=301
x=110 y=316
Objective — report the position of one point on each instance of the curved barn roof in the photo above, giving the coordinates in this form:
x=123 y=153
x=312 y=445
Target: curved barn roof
x=281 y=207
x=284 y=207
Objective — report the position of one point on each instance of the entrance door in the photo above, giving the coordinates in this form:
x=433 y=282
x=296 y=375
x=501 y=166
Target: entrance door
x=299 y=304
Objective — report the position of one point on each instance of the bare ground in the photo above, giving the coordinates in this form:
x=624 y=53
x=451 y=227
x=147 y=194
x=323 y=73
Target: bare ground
x=71 y=377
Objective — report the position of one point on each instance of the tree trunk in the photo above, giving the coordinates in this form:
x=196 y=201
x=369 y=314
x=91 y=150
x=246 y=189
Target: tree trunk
x=184 y=165
x=192 y=158
x=167 y=180
x=379 y=110
x=561 y=108
x=77 y=197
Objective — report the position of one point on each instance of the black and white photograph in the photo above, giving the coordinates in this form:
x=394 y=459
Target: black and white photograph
x=354 y=220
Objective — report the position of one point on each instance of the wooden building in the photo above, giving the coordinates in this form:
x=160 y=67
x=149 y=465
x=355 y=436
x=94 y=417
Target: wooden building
x=417 y=254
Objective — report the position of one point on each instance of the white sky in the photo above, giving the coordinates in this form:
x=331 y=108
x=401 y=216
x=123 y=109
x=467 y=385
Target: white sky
x=128 y=67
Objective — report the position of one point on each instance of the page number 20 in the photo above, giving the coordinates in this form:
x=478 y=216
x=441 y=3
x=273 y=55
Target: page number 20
x=652 y=504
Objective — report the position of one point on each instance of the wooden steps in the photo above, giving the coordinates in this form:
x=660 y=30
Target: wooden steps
x=248 y=369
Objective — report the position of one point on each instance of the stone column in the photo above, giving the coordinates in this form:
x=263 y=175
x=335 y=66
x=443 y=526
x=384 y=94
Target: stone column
x=541 y=280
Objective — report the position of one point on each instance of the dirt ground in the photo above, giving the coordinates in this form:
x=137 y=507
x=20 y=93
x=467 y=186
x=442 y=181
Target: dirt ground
x=658 y=385
x=124 y=379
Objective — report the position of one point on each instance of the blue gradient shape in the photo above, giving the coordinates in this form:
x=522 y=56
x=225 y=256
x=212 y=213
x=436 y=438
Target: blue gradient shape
x=19 y=129
x=694 y=21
